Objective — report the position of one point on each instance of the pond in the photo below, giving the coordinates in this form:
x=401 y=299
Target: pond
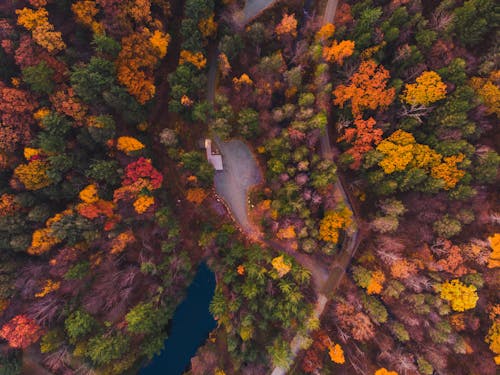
x=190 y=326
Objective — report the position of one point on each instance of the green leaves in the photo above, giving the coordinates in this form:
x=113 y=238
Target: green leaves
x=78 y=325
x=39 y=77
x=145 y=318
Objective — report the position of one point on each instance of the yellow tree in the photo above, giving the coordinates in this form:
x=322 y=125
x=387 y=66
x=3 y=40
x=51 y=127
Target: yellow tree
x=494 y=259
x=207 y=26
x=244 y=80
x=493 y=336
x=333 y=222
x=128 y=144
x=286 y=233
x=160 y=41
x=281 y=266
x=33 y=175
x=197 y=59
x=49 y=286
x=89 y=194
x=376 y=283
x=42 y=241
x=461 y=297
x=143 y=203
x=448 y=171
x=37 y=21
x=429 y=88
x=489 y=91
x=384 y=371
x=325 y=33
x=85 y=11
x=336 y=353
x=397 y=150
x=196 y=195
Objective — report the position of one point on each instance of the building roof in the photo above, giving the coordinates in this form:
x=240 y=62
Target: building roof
x=214 y=159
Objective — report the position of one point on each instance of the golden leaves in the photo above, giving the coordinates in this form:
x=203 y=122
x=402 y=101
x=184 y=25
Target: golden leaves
x=429 y=88
x=281 y=266
x=461 y=297
x=129 y=144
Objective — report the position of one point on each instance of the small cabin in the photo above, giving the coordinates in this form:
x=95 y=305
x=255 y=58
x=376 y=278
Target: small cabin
x=213 y=155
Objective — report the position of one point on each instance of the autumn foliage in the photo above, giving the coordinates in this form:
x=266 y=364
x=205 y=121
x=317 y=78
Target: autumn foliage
x=367 y=89
x=281 y=265
x=8 y=205
x=494 y=259
x=48 y=287
x=37 y=21
x=142 y=171
x=196 y=195
x=16 y=114
x=488 y=90
x=325 y=33
x=66 y=102
x=337 y=52
x=333 y=222
x=140 y=53
x=429 y=88
x=362 y=138
x=89 y=194
x=208 y=26
x=287 y=26
x=143 y=203
x=33 y=175
x=384 y=371
x=120 y=242
x=461 y=297
x=197 y=59
x=401 y=151
x=21 y=332
x=128 y=144
x=85 y=11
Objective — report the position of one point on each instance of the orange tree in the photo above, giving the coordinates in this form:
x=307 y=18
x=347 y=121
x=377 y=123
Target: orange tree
x=137 y=59
x=20 y=332
x=37 y=21
x=362 y=138
x=367 y=89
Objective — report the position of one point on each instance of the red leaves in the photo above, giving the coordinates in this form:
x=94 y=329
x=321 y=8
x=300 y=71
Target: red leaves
x=143 y=169
x=16 y=117
x=362 y=138
x=21 y=332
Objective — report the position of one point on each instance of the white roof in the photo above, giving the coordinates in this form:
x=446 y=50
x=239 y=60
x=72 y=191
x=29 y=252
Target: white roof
x=215 y=160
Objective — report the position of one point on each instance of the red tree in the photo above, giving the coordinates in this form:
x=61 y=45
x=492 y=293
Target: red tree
x=21 y=331
x=142 y=169
x=16 y=115
x=362 y=138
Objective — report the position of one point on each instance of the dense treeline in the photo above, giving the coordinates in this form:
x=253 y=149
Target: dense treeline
x=86 y=223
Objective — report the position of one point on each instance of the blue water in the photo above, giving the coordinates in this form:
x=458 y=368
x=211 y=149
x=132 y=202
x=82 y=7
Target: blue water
x=190 y=326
